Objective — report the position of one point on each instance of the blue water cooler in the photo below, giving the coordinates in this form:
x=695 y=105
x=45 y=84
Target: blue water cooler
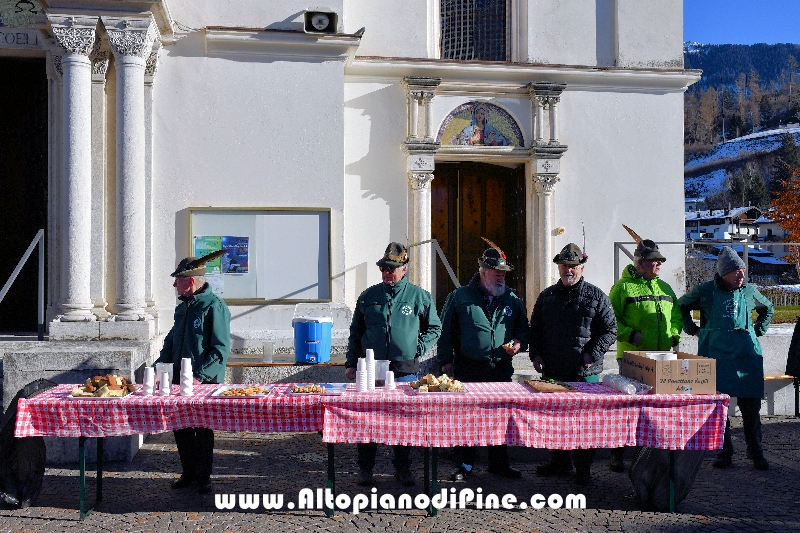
x=312 y=339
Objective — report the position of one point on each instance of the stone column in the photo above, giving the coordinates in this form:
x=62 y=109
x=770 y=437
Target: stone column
x=76 y=36
x=420 y=154
x=149 y=76
x=131 y=40
x=545 y=175
x=100 y=60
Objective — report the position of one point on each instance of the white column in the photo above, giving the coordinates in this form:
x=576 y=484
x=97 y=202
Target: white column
x=426 y=100
x=76 y=36
x=131 y=41
x=420 y=256
x=56 y=267
x=553 y=103
x=545 y=184
x=100 y=60
x=149 y=76
x=414 y=117
x=539 y=113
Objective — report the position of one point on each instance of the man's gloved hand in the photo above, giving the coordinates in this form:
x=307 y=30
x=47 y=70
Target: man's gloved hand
x=350 y=373
x=448 y=369
x=636 y=337
x=538 y=364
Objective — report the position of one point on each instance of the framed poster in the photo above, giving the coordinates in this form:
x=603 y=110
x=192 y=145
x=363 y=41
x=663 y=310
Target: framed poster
x=273 y=255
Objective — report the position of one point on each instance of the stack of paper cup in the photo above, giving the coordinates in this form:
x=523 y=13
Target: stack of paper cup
x=361 y=375
x=165 y=386
x=187 y=379
x=389 y=385
x=149 y=380
x=370 y=370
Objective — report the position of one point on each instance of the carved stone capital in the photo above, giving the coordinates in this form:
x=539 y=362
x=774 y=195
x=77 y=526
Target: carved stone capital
x=546 y=89
x=423 y=96
x=545 y=182
x=421 y=83
x=75 y=35
x=420 y=180
x=131 y=36
x=151 y=63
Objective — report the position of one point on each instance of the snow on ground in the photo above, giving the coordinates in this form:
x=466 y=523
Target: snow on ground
x=763 y=141
x=705 y=184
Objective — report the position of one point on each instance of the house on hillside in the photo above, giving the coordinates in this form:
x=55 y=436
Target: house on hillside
x=308 y=139
x=769 y=232
x=692 y=205
x=722 y=224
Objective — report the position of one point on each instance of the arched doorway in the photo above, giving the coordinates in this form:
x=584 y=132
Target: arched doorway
x=474 y=200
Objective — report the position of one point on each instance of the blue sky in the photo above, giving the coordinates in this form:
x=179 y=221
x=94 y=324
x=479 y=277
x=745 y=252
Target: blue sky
x=741 y=21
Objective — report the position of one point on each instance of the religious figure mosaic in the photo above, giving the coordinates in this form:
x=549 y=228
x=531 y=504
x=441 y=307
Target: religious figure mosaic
x=480 y=124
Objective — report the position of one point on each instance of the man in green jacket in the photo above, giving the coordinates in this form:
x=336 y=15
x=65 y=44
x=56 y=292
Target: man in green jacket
x=484 y=324
x=647 y=311
x=727 y=334
x=398 y=321
x=202 y=333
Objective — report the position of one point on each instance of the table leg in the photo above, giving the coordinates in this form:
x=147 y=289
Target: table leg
x=331 y=478
x=99 y=492
x=796 y=397
x=426 y=476
x=433 y=511
x=82 y=477
x=672 y=481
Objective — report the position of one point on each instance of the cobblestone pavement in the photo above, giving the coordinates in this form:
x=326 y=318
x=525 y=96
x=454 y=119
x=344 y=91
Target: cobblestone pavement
x=137 y=496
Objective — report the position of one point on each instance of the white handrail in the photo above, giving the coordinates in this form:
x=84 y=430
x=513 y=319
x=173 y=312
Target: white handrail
x=36 y=240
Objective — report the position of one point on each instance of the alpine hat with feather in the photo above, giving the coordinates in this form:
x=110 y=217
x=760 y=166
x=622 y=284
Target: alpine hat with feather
x=494 y=258
x=571 y=254
x=396 y=255
x=194 y=266
x=645 y=248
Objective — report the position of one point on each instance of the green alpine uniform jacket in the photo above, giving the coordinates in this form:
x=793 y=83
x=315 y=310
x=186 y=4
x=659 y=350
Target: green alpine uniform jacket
x=398 y=323
x=202 y=333
x=468 y=332
x=727 y=333
x=647 y=306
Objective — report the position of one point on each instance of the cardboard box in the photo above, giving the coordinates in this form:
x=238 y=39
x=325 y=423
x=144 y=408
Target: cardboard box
x=689 y=374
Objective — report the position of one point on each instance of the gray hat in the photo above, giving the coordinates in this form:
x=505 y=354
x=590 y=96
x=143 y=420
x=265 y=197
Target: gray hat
x=648 y=249
x=728 y=261
x=495 y=259
x=570 y=255
x=192 y=266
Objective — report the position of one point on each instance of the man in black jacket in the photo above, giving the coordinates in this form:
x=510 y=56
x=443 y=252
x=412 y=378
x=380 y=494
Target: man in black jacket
x=572 y=326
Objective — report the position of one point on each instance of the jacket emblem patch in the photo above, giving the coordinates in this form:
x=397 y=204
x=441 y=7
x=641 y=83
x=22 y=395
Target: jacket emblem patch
x=197 y=323
x=406 y=309
x=507 y=310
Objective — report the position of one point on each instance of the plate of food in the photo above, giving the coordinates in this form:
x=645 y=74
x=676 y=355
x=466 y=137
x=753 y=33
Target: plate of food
x=103 y=388
x=319 y=388
x=549 y=385
x=441 y=385
x=242 y=391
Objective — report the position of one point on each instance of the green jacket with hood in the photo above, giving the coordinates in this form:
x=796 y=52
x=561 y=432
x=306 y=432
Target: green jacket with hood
x=398 y=322
x=647 y=306
x=202 y=333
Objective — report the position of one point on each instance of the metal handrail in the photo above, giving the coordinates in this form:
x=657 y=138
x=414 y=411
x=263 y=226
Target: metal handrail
x=38 y=239
x=447 y=266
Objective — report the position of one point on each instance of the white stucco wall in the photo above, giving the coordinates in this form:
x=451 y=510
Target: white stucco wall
x=391 y=28
x=239 y=131
x=552 y=23
x=650 y=33
x=283 y=15
x=376 y=182
x=623 y=166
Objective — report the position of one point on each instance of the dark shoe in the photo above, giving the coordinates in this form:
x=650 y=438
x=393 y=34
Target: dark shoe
x=617 y=464
x=365 y=478
x=553 y=468
x=582 y=477
x=760 y=463
x=460 y=474
x=722 y=461
x=182 y=482
x=506 y=472
x=405 y=478
x=204 y=487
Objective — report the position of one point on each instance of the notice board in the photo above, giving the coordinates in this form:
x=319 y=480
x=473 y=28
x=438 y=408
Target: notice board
x=274 y=255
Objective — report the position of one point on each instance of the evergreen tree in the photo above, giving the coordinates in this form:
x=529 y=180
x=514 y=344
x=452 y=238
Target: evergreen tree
x=785 y=161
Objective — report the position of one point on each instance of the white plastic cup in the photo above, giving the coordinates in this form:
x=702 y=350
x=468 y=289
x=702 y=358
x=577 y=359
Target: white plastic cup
x=390 y=380
x=269 y=352
x=165 y=384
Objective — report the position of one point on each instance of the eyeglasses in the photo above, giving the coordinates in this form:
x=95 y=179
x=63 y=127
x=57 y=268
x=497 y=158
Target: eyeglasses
x=659 y=261
x=388 y=269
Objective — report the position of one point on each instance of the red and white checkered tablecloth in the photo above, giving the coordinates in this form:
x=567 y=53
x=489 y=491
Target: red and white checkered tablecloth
x=511 y=413
x=490 y=413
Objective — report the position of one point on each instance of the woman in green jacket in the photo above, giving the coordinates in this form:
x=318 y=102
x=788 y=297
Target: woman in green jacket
x=728 y=334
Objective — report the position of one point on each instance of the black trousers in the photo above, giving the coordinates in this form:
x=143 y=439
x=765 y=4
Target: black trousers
x=196 y=451
x=751 y=422
x=465 y=369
